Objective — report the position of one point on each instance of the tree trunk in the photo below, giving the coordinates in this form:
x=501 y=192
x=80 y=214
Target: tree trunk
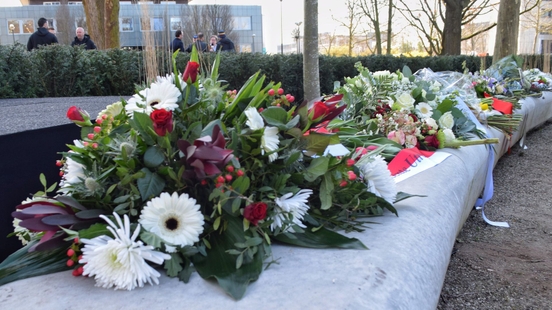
x=452 y=32
x=311 y=74
x=102 y=22
x=507 y=29
x=389 y=27
x=111 y=22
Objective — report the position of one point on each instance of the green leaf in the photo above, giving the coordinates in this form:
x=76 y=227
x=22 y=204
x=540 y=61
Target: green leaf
x=151 y=239
x=222 y=266
x=94 y=231
x=321 y=239
x=445 y=105
x=151 y=185
x=42 y=178
x=23 y=264
x=173 y=265
x=326 y=192
x=143 y=124
x=241 y=184
x=318 y=142
x=318 y=167
x=275 y=116
x=406 y=71
x=153 y=157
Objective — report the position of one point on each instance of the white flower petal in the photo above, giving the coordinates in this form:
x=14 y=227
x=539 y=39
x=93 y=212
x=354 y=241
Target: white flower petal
x=269 y=142
x=377 y=176
x=254 y=119
x=120 y=263
x=175 y=219
x=287 y=206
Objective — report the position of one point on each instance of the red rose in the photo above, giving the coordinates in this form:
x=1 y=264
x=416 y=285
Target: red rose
x=319 y=110
x=190 y=73
x=162 y=121
x=255 y=212
x=78 y=116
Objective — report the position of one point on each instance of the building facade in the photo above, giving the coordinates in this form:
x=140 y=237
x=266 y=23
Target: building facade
x=244 y=24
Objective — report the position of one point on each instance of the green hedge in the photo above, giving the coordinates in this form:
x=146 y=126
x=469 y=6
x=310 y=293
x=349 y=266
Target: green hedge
x=64 y=71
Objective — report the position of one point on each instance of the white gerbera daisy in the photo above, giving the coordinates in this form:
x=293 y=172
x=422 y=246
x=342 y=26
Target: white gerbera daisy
x=113 y=110
x=120 y=262
x=269 y=142
x=295 y=206
x=73 y=173
x=175 y=219
x=377 y=176
x=161 y=95
x=254 y=119
x=424 y=109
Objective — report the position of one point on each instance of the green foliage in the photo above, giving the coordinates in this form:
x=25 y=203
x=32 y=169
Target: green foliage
x=64 y=71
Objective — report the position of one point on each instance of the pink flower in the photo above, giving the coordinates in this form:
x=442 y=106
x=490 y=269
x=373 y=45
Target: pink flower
x=397 y=136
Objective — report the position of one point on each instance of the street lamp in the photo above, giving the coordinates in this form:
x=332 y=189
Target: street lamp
x=253 y=44
x=12 y=30
x=298 y=37
x=281 y=30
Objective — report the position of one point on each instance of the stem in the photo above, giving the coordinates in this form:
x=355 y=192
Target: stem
x=458 y=143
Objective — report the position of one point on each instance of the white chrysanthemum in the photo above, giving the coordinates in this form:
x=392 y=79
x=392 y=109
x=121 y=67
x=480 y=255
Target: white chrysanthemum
x=269 y=142
x=381 y=74
x=287 y=206
x=254 y=119
x=162 y=95
x=377 y=176
x=424 y=109
x=175 y=219
x=121 y=262
x=446 y=120
x=73 y=174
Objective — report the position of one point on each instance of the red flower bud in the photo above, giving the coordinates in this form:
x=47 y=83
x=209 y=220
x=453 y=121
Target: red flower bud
x=70 y=252
x=78 y=116
x=190 y=73
x=343 y=183
x=97 y=129
x=240 y=173
x=271 y=92
x=230 y=168
x=280 y=91
x=91 y=136
x=228 y=177
x=350 y=162
x=70 y=263
x=291 y=99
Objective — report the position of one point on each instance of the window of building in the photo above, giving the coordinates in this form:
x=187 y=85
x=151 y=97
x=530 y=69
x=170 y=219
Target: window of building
x=51 y=3
x=52 y=23
x=126 y=24
x=152 y=24
x=176 y=23
x=20 y=26
x=242 y=22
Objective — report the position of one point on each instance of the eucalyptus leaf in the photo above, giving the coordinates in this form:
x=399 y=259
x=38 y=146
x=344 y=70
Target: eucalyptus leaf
x=153 y=157
x=151 y=185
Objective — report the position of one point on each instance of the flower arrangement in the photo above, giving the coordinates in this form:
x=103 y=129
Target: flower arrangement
x=186 y=176
x=410 y=111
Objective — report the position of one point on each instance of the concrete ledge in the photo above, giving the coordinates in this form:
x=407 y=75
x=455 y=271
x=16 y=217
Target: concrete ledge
x=404 y=268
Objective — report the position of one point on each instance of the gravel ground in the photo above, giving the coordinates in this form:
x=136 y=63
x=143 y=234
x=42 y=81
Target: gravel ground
x=508 y=268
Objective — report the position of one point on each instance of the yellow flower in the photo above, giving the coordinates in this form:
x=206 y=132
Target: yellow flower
x=484 y=106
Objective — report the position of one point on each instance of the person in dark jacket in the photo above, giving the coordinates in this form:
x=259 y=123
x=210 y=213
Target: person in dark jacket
x=225 y=44
x=177 y=42
x=201 y=46
x=83 y=39
x=41 y=36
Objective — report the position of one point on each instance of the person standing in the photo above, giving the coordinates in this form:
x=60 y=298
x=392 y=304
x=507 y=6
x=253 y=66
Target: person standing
x=213 y=43
x=176 y=44
x=201 y=46
x=83 y=39
x=225 y=44
x=41 y=36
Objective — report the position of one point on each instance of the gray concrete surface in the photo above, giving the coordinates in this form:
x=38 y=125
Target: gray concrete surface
x=24 y=114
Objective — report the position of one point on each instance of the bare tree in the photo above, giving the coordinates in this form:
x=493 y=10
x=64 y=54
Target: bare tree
x=475 y=44
x=507 y=29
x=311 y=74
x=535 y=19
x=351 y=24
x=209 y=19
x=429 y=18
x=327 y=42
x=65 y=24
x=372 y=10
